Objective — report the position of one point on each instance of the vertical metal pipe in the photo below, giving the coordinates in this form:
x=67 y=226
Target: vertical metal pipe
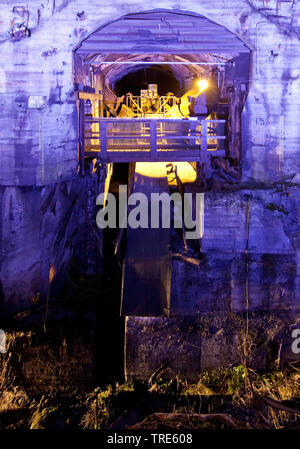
x=203 y=150
x=153 y=139
x=257 y=48
x=81 y=126
x=103 y=138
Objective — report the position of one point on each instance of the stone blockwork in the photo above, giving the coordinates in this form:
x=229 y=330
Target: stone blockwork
x=249 y=272
x=185 y=346
x=248 y=235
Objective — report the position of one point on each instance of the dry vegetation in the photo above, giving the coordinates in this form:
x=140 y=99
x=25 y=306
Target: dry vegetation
x=245 y=397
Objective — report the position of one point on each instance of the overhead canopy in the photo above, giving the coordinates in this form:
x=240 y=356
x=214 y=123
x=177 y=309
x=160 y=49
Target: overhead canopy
x=162 y=32
x=113 y=72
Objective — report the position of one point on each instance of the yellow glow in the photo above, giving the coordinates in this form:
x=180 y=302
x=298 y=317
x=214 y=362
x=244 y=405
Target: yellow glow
x=51 y=274
x=202 y=85
x=158 y=170
x=198 y=87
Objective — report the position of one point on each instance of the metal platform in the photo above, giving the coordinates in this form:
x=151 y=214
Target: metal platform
x=150 y=139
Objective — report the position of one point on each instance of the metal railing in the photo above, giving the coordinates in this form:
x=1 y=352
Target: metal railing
x=151 y=139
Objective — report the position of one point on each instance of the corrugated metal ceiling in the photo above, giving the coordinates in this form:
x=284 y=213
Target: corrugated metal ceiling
x=160 y=33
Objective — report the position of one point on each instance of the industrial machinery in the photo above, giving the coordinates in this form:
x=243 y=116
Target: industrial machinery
x=149 y=103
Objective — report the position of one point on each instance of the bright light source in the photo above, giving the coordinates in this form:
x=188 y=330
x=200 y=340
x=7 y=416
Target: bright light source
x=202 y=85
x=158 y=170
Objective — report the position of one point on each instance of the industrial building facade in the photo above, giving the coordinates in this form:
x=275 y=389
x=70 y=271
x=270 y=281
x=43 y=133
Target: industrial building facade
x=90 y=92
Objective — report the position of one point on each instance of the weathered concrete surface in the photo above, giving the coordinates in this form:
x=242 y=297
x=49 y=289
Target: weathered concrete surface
x=38 y=120
x=249 y=265
x=262 y=252
x=210 y=341
x=41 y=228
x=38 y=116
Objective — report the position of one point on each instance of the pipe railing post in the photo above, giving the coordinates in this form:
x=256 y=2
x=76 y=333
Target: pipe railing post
x=153 y=139
x=81 y=132
x=103 y=139
x=203 y=148
x=193 y=128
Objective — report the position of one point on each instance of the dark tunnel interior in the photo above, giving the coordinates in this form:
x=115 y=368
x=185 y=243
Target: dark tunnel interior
x=139 y=79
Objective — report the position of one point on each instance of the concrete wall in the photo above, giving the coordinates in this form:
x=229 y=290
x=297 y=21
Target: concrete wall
x=38 y=132
x=209 y=341
x=248 y=235
x=42 y=228
x=249 y=270
x=38 y=113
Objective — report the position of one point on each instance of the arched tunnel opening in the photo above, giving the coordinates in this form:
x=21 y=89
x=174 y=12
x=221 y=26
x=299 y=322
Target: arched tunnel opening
x=154 y=107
